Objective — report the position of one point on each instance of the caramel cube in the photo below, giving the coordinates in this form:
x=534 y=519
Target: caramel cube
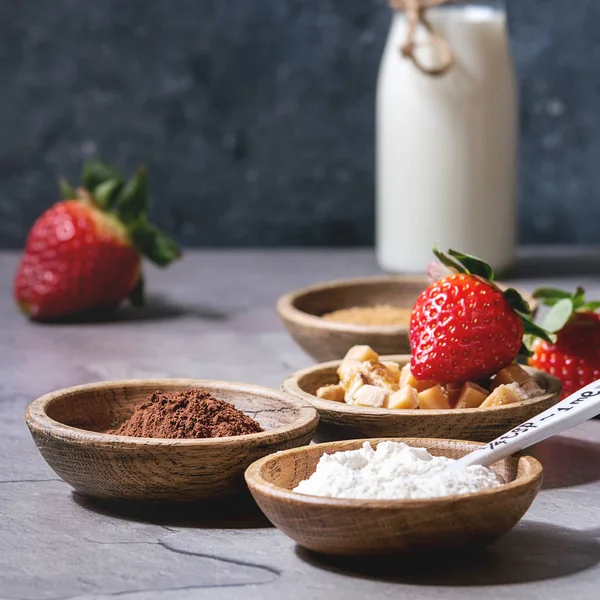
x=434 y=398
x=352 y=386
x=405 y=374
x=370 y=395
x=512 y=374
x=393 y=368
x=407 y=378
x=404 y=398
x=376 y=373
x=348 y=368
x=453 y=390
x=332 y=392
x=362 y=353
x=471 y=395
x=503 y=394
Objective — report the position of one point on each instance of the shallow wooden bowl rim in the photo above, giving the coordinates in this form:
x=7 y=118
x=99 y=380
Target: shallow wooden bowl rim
x=287 y=309
x=255 y=479
x=292 y=386
x=38 y=419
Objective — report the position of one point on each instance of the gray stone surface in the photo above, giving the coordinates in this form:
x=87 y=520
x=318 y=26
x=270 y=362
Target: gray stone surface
x=212 y=315
x=256 y=118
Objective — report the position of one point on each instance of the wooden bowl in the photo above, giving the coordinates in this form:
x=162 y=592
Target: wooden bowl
x=355 y=527
x=325 y=340
x=67 y=428
x=341 y=421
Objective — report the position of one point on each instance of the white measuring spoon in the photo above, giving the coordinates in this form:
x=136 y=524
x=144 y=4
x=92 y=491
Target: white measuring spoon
x=571 y=411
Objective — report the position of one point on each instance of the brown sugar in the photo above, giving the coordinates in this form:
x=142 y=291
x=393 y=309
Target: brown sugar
x=380 y=314
x=191 y=414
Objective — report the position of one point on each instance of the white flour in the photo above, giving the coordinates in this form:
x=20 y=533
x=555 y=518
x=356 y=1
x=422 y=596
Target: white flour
x=393 y=471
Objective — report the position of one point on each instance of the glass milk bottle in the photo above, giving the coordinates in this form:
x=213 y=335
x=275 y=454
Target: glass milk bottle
x=446 y=135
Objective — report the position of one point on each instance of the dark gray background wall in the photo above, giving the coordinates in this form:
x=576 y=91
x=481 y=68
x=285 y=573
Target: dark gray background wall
x=255 y=117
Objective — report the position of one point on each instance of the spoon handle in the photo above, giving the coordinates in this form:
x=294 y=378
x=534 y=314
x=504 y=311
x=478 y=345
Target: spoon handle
x=576 y=408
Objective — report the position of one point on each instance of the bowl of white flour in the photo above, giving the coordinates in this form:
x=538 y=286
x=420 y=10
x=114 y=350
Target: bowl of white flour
x=391 y=495
x=394 y=471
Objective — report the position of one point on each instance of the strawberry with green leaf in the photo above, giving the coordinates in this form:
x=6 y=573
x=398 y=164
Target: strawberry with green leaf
x=463 y=327
x=83 y=255
x=574 y=357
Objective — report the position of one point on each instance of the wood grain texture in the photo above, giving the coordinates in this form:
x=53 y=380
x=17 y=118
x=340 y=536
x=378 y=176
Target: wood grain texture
x=343 y=421
x=356 y=527
x=324 y=340
x=67 y=428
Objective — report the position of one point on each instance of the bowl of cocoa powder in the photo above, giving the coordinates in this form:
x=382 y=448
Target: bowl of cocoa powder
x=164 y=439
x=327 y=319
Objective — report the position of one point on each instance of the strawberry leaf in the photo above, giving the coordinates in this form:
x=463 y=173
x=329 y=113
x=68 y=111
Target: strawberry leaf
x=67 y=191
x=516 y=301
x=545 y=293
x=96 y=172
x=132 y=202
x=558 y=315
x=448 y=262
x=106 y=193
x=136 y=297
x=531 y=328
x=591 y=306
x=154 y=243
x=578 y=297
x=473 y=265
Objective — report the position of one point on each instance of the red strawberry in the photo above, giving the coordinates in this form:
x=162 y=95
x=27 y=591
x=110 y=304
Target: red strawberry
x=575 y=356
x=463 y=327
x=83 y=255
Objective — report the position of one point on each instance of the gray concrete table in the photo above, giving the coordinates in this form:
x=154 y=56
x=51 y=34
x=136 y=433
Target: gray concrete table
x=212 y=315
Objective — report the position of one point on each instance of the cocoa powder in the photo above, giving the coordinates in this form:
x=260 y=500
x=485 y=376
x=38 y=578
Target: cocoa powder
x=191 y=414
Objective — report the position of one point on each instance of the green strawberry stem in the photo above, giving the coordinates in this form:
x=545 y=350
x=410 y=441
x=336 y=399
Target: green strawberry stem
x=108 y=190
x=471 y=265
x=131 y=203
x=67 y=192
x=563 y=305
x=96 y=172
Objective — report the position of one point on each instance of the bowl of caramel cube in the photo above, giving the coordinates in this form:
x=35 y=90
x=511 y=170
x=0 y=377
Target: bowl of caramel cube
x=368 y=395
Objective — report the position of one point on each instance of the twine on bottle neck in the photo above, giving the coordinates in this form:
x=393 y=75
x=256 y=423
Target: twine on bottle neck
x=415 y=11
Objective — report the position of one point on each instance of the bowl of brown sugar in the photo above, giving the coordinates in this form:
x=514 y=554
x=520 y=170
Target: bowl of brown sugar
x=327 y=319
x=164 y=439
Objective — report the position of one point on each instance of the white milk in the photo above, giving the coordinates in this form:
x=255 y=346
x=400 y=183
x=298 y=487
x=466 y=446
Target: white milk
x=446 y=146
